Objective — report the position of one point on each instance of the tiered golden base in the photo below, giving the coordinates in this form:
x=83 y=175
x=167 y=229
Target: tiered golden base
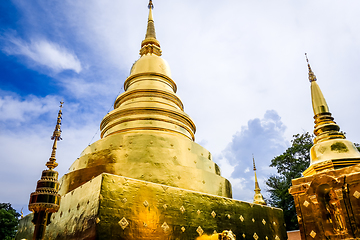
x=328 y=204
x=115 y=207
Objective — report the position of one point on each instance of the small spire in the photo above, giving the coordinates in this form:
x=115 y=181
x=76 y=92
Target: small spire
x=51 y=164
x=150 y=44
x=312 y=76
x=258 y=197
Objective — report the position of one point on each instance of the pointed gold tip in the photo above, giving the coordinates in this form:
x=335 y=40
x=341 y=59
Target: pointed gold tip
x=254 y=163
x=51 y=164
x=151 y=5
x=150 y=44
x=312 y=76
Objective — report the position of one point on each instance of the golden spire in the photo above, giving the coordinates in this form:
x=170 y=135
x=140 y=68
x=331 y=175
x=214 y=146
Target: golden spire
x=330 y=150
x=150 y=44
x=258 y=198
x=51 y=164
x=46 y=200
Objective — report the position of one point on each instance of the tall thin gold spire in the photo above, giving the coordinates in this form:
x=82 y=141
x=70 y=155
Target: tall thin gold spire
x=331 y=150
x=258 y=197
x=51 y=164
x=46 y=200
x=150 y=45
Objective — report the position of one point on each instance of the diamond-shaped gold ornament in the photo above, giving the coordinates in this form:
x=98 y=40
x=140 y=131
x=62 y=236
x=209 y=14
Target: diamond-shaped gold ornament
x=198 y=212
x=356 y=194
x=253 y=220
x=241 y=218
x=266 y=238
x=213 y=214
x=97 y=220
x=228 y=216
x=263 y=221
x=306 y=203
x=123 y=223
x=199 y=231
x=182 y=209
x=165 y=226
x=313 y=234
x=146 y=203
x=243 y=235
x=183 y=229
x=124 y=200
x=255 y=236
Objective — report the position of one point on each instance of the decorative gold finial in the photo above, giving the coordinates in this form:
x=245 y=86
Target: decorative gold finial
x=312 y=76
x=258 y=197
x=51 y=164
x=151 y=5
x=254 y=163
x=150 y=44
x=21 y=213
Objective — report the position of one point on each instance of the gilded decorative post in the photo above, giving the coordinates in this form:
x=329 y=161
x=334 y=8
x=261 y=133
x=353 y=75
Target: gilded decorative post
x=258 y=197
x=46 y=200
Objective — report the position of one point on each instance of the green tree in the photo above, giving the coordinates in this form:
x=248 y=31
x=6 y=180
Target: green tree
x=289 y=165
x=9 y=220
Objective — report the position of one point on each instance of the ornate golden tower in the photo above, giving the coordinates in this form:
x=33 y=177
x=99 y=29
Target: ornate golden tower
x=330 y=150
x=146 y=178
x=45 y=200
x=327 y=197
x=258 y=197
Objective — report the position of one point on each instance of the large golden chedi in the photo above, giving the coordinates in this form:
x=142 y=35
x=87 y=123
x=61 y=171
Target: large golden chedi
x=146 y=178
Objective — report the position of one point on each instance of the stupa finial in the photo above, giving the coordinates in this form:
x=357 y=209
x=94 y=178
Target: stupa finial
x=312 y=76
x=151 y=5
x=51 y=164
x=150 y=44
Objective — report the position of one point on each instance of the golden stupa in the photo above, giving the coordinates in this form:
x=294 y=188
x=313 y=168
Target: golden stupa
x=146 y=178
x=327 y=197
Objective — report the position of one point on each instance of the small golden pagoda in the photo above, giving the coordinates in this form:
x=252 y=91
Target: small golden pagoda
x=146 y=178
x=327 y=197
x=258 y=197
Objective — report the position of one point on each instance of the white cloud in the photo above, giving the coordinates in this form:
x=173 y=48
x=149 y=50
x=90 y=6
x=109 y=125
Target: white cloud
x=44 y=53
x=262 y=137
x=14 y=108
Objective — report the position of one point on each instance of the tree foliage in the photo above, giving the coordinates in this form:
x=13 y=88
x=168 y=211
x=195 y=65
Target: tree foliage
x=9 y=220
x=289 y=165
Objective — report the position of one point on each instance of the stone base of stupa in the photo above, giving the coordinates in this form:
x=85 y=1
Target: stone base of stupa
x=116 y=207
x=328 y=204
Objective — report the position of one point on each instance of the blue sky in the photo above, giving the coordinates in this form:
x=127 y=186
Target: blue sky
x=239 y=67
